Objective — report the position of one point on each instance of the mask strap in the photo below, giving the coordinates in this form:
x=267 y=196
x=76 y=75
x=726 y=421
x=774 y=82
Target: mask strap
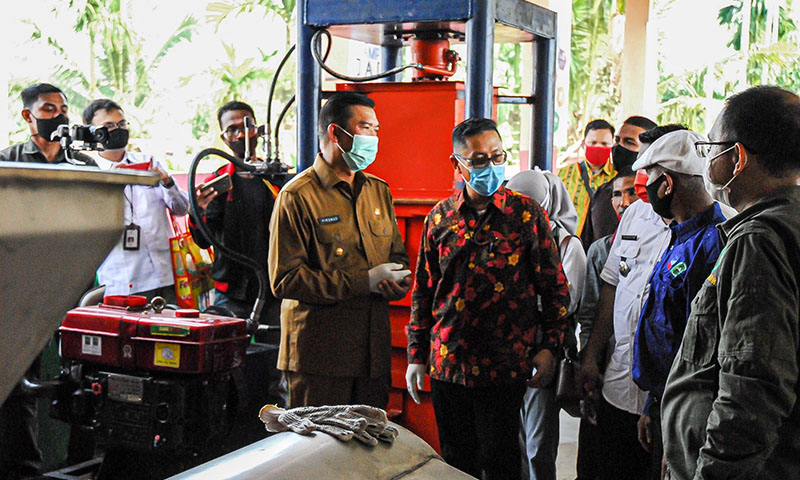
x=342 y=129
x=735 y=173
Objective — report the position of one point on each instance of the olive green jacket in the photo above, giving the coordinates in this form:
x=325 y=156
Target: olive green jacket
x=730 y=406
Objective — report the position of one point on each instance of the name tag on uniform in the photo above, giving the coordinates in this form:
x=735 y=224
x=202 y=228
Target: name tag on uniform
x=630 y=237
x=329 y=220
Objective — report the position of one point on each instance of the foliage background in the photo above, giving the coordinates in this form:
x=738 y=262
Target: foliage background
x=171 y=64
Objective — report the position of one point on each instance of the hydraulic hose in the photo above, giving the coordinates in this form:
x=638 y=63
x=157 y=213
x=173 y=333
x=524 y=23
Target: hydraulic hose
x=269 y=102
x=261 y=274
x=315 y=51
x=278 y=126
x=286 y=107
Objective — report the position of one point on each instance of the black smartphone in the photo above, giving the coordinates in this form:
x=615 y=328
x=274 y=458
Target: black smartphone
x=220 y=184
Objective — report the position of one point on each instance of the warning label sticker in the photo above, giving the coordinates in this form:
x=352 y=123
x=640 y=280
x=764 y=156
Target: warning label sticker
x=92 y=345
x=167 y=355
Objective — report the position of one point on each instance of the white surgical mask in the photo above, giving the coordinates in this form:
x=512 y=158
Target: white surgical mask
x=720 y=193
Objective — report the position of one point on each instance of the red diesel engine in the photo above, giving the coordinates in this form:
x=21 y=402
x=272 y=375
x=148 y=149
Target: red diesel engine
x=151 y=380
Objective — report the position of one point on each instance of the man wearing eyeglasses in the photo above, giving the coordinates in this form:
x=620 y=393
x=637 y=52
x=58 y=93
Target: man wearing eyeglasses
x=730 y=407
x=143 y=268
x=486 y=257
x=239 y=218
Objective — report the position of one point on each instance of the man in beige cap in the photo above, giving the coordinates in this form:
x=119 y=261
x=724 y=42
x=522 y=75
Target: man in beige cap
x=675 y=190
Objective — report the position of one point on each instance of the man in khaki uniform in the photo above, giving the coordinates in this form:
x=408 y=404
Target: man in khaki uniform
x=336 y=258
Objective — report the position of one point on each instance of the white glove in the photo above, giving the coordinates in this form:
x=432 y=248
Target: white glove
x=386 y=271
x=364 y=423
x=415 y=375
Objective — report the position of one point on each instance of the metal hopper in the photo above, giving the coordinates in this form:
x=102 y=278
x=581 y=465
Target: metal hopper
x=57 y=225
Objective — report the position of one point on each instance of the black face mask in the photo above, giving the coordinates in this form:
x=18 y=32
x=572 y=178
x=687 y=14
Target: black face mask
x=46 y=126
x=660 y=205
x=623 y=159
x=238 y=147
x=117 y=139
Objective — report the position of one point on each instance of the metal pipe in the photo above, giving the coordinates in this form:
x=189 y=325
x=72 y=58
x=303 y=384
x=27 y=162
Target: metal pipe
x=308 y=91
x=544 y=74
x=390 y=58
x=480 y=59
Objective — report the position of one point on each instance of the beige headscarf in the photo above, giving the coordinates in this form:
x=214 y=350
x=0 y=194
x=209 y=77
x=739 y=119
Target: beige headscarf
x=549 y=191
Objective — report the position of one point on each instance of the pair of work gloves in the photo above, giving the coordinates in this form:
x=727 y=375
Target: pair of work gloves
x=364 y=423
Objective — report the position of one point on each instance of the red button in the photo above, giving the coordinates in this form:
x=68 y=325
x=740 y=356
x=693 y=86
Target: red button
x=187 y=313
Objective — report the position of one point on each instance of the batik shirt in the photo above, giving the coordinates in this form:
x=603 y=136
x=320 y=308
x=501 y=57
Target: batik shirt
x=475 y=318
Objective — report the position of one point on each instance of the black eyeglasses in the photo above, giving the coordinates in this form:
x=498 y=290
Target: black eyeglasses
x=482 y=162
x=114 y=126
x=233 y=132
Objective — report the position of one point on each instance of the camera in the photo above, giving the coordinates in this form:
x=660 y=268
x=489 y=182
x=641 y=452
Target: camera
x=90 y=134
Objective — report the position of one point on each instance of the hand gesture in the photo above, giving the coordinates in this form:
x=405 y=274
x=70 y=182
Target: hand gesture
x=544 y=365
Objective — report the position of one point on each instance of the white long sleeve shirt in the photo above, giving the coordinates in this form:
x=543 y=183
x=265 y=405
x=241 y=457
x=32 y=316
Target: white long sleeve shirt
x=641 y=238
x=132 y=271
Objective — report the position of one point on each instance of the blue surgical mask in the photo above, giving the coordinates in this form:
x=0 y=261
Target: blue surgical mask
x=486 y=181
x=362 y=153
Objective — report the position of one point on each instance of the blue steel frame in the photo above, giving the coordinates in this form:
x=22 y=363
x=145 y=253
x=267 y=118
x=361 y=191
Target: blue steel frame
x=480 y=21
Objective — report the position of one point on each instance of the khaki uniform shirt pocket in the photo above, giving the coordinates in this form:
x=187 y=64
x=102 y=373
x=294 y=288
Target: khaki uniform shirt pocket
x=381 y=229
x=333 y=245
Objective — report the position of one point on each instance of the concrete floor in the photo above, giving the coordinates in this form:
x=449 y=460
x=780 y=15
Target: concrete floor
x=567 y=448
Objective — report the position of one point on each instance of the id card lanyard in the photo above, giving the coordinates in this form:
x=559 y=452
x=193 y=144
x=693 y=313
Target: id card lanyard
x=132 y=234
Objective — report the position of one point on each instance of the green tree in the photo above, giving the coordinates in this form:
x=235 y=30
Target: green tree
x=283 y=11
x=769 y=50
x=118 y=65
x=595 y=70
x=768 y=54
x=237 y=78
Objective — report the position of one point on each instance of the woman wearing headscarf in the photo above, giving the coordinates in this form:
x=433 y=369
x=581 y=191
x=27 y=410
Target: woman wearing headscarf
x=540 y=426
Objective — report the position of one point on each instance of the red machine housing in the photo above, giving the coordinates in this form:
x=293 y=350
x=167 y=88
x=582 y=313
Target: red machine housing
x=122 y=332
x=417 y=121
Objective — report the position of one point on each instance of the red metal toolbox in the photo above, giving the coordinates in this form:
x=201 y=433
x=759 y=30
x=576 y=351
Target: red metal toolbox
x=126 y=332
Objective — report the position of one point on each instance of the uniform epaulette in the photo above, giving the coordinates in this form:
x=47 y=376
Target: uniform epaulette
x=373 y=177
x=298 y=181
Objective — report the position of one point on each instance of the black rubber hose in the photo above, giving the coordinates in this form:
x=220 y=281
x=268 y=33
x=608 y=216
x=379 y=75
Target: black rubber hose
x=278 y=126
x=242 y=259
x=271 y=95
x=285 y=109
x=315 y=51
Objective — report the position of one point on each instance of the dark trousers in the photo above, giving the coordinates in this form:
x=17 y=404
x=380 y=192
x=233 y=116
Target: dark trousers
x=317 y=390
x=479 y=428
x=588 y=445
x=621 y=456
x=657 y=444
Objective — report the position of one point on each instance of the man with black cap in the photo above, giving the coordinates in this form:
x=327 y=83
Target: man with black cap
x=730 y=405
x=675 y=190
